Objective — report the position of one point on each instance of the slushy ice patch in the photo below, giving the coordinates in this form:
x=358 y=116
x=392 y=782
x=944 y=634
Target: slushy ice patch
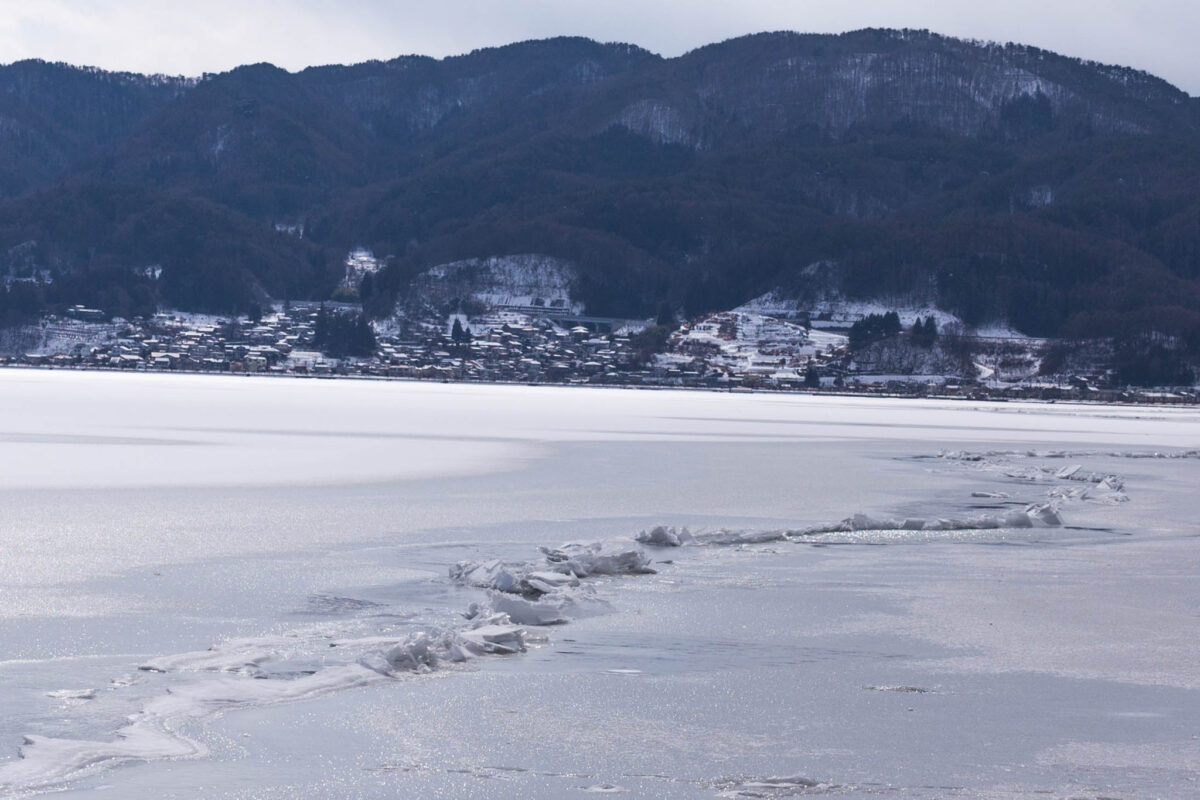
x=244 y=656
x=72 y=694
x=152 y=733
x=320 y=604
x=794 y=786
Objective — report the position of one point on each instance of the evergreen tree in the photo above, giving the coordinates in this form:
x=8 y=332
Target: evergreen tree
x=872 y=328
x=321 y=326
x=341 y=334
x=666 y=317
x=366 y=290
x=924 y=332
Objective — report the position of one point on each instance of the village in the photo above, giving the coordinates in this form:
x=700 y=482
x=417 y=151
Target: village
x=512 y=346
x=515 y=347
x=727 y=351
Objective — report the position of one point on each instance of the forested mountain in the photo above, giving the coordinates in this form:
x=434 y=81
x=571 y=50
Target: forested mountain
x=54 y=116
x=1001 y=182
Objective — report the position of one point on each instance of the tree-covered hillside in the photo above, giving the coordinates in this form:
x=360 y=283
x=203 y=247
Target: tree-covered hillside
x=1000 y=182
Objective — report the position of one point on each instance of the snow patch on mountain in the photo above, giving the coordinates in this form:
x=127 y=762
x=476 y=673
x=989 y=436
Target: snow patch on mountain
x=523 y=280
x=659 y=121
x=838 y=312
x=359 y=263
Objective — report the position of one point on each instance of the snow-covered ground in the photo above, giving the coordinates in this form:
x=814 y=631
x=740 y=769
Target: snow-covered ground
x=55 y=337
x=66 y=336
x=515 y=280
x=359 y=263
x=222 y=587
x=1001 y=353
x=839 y=312
x=831 y=310
x=748 y=343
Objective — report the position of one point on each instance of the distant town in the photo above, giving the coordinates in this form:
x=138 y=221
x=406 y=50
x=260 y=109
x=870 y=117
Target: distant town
x=729 y=351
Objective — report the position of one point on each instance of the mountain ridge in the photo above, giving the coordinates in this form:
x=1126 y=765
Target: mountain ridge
x=1001 y=181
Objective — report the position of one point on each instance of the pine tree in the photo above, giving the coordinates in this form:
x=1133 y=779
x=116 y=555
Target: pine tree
x=321 y=326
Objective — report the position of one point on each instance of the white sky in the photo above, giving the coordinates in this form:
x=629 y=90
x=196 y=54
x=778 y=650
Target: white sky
x=214 y=35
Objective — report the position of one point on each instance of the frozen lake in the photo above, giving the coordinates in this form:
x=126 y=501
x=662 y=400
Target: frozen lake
x=221 y=587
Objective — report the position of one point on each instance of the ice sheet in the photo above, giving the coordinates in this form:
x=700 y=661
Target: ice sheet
x=181 y=430
x=758 y=651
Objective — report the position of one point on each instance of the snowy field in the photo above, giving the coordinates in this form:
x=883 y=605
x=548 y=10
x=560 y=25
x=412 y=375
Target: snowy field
x=222 y=587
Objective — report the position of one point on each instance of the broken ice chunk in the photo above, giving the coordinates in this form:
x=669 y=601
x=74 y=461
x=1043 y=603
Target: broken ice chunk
x=598 y=558
x=664 y=536
x=544 y=582
x=1044 y=516
x=522 y=611
x=498 y=575
x=724 y=536
x=498 y=639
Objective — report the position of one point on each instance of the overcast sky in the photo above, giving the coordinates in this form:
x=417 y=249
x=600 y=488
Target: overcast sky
x=175 y=37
